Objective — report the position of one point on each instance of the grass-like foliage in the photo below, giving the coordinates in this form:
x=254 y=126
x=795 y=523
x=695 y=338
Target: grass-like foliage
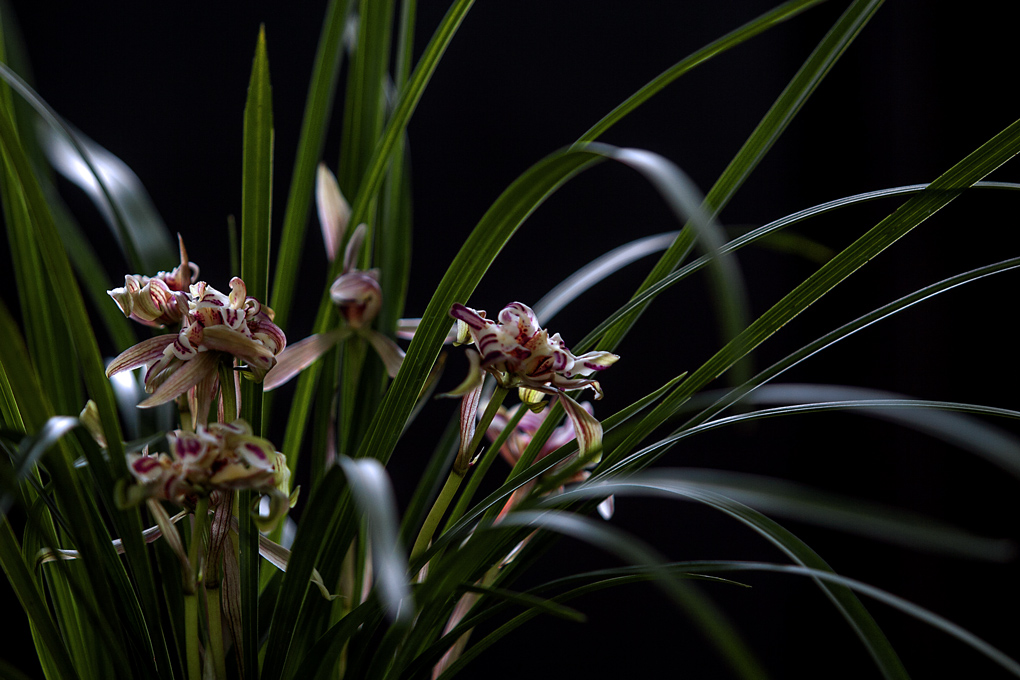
x=193 y=485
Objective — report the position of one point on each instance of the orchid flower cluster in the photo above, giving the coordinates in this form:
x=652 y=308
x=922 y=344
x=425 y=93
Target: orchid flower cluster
x=214 y=328
x=220 y=457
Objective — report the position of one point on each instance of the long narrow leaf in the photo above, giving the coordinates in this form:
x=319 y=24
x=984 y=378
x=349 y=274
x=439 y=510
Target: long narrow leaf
x=256 y=223
x=761 y=140
x=845 y=601
x=318 y=104
x=374 y=496
x=914 y=211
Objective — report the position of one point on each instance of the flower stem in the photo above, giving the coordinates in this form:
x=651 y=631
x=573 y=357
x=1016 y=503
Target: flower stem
x=191 y=608
x=483 y=467
x=212 y=604
x=449 y=490
x=436 y=514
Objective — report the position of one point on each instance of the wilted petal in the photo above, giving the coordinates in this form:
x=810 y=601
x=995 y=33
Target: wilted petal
x=334 y=211
x=89 y=417
x=390 y=353
x=183 y=379
x=301 y=355
x=464 y=605
x=141 y=354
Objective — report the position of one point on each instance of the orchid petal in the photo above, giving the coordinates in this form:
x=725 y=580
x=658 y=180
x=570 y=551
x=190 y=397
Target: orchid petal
x=592 y=361
x=354 y=247
x=587 y=429
x=406 y=329
x=301 y=355
x=473 y=379
x=183 y=379
x=390 y=353
x=141 y=354
x=334 y=211
x=258 y=357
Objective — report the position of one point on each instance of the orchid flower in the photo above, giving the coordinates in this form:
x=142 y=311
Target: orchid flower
x=218 y=457
x=213 y=326
x=355 y=292
x=518 y=353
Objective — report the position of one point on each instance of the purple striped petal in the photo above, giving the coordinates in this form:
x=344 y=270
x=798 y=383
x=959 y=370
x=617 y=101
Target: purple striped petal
x=141 y=354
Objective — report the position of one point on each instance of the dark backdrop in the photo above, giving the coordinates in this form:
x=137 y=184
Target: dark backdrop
x=163 y=87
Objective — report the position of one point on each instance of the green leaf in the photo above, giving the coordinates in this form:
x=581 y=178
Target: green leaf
x=318 y=106
x=650 y=454
x=328 y=508
x=32 y=601
x=126 y=523
x=853 y=515
x=146 y=247
x=120 y=195
x=909 y=608
x=775 y=122
x=914 y=211
x=709 y=619
x=257 y=176
x=843 y=598
x=33 y=447
x=732 y=39
x=475 y=256
x=746 y=239
x=373 y=494
x=256 y=224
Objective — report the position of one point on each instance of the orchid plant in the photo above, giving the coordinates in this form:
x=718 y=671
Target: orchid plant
x=152 y=521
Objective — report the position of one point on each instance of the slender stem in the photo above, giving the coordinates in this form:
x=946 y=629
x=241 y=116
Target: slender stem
x=453 y=481
x=483 y=467
x=191 y=612
x=191 y=636
x=436 y=514
x=212 y=604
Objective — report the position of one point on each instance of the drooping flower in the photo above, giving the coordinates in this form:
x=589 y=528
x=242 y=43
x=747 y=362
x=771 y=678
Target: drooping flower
x=519 y=353
x=213 y=326
x=217 y=457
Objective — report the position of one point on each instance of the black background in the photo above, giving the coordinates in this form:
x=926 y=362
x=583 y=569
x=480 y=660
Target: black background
x=163 y=87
